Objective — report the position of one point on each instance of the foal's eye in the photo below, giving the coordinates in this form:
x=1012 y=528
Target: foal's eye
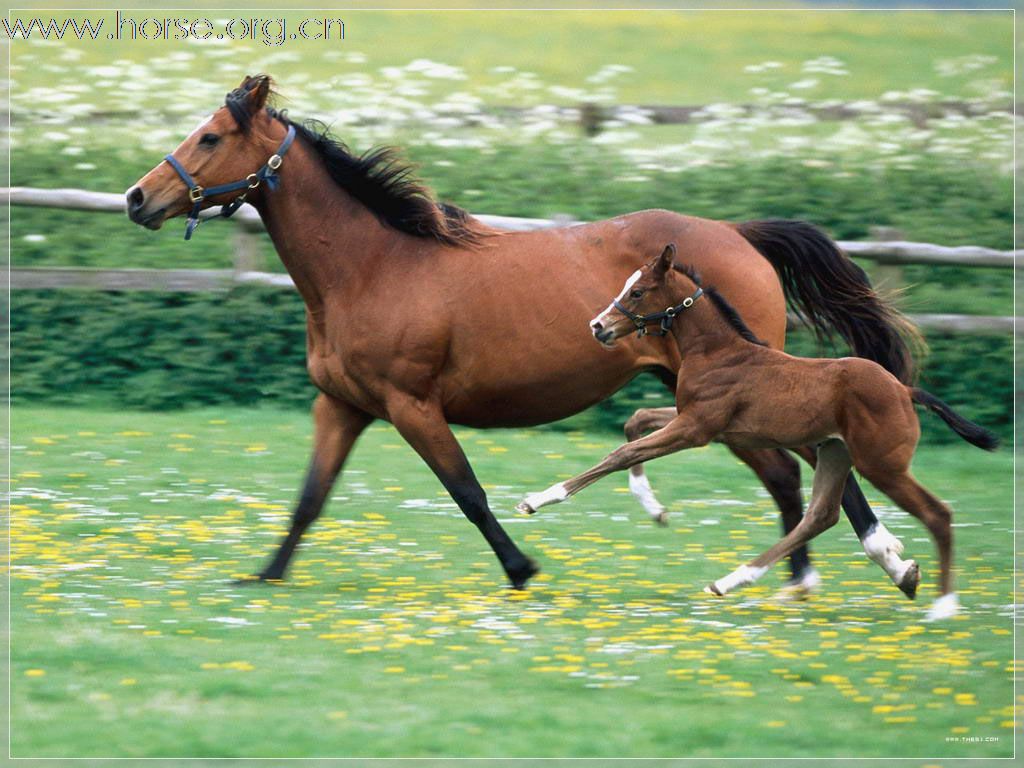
x=637 y=294
x=208 y=139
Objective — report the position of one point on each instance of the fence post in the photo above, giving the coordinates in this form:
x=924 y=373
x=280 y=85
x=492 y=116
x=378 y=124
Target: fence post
x=247 y=256
x=889 y=277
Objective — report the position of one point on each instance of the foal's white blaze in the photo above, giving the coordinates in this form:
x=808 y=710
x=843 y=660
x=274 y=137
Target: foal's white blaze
x=622 y=294
x=641 y=489
x=553 y=495
x=745 y=574
x=885 y=549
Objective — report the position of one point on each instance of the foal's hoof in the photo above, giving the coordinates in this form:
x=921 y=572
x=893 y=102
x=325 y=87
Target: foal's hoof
x=800 y=588
x=712 y=589
x=912 y=577
x=519 y=576
x=945 y=607
x=525 y=508
x=661 y=519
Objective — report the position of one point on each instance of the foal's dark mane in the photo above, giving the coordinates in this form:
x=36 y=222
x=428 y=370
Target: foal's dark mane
x=378 y=178
x=725 y=309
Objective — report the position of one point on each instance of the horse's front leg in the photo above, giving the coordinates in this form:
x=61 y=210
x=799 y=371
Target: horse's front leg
x=833 y=466
x=424 y=427
x=680 y=433
x=336 y=426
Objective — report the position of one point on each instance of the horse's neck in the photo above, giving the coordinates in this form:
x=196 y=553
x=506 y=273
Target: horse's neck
x=322 y=234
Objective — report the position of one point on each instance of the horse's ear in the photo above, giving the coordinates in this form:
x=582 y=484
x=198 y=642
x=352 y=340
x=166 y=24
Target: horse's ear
x=257 y=90
x=664 y=263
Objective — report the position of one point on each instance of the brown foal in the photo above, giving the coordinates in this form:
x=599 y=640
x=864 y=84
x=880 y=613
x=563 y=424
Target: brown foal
x=734 y=389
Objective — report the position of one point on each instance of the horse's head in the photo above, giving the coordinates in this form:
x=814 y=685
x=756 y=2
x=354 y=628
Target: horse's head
x=645 y=299
x=227 y=147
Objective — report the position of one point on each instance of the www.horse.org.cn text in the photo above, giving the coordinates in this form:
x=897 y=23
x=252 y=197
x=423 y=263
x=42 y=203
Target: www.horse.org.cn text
x=268 y=31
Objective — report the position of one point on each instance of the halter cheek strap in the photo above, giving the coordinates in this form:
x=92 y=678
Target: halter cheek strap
x=665 y=318
x=196 y=193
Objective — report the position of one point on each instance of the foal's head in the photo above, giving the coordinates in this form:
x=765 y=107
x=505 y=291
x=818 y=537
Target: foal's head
x=648 y=290
x=229 y=145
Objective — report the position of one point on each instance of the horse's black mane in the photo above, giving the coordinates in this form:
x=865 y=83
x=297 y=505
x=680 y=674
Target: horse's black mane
x=377 y=178
x=725 y=309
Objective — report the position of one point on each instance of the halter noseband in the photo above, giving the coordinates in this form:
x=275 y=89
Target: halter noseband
x=197 y=194
x=665 y=318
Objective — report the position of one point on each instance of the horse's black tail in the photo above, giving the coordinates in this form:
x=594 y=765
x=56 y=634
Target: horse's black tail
x=968 y=430
x=831 y=293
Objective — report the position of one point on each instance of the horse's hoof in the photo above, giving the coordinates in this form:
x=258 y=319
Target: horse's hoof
x=258 y=578
x=945 y=607
x=712 y=589
x=525 y=508
x=912 y=577
x=523 y=574
x=661 y=519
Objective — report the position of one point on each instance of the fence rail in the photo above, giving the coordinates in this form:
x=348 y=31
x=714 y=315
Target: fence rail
x=891 y=252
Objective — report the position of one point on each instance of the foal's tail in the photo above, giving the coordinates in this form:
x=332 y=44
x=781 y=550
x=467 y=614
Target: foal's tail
x=831 y=293
x=968 y=430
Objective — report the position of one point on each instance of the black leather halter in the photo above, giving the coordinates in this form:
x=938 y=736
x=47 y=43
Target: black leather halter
x=665 y=318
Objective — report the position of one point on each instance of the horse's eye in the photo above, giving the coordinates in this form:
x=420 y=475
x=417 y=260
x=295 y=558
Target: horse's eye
x=637 y=294
x=209 y=139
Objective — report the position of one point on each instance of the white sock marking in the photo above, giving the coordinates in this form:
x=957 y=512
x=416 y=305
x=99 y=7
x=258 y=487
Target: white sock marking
x=885 y=549
x=945 y=607
x=745 y=574
x=641 y=489
x=553 y=495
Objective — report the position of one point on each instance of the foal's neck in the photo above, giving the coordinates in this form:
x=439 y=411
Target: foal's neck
x=700 y=329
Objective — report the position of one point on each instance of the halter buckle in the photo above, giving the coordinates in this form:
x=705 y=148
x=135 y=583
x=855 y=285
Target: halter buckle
x=195 y=194
x=253 y=179
x=688 y=301
x=274 y=162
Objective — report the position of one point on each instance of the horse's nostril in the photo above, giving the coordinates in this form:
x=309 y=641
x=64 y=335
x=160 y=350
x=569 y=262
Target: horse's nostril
x=136 y=198
x=596 y=325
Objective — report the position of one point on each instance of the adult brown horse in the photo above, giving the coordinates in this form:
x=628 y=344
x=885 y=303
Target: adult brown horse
x=420 y=315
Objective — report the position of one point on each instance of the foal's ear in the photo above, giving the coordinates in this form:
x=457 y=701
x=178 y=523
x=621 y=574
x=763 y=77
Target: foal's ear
x=664 y=262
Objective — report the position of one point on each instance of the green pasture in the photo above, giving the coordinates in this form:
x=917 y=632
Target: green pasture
x=395 y=635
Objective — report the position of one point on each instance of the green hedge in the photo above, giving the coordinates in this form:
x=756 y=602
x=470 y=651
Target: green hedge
x=160 y=351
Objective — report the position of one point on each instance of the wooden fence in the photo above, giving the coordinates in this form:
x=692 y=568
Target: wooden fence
x=893 y=253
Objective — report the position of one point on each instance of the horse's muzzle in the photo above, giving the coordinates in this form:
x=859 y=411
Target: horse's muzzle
x=136 y=205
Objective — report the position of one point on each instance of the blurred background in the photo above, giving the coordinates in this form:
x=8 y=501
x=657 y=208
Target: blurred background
x=872 y=125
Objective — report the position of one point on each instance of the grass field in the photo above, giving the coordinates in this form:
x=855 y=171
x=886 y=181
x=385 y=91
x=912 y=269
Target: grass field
x=395 y=636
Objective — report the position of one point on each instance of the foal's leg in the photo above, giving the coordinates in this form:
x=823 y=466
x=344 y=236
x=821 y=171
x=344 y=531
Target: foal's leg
x=823 y=512
x=640 y=423
x=336 y=425
x=780 y=474
x=682 y=432
x=937 y=517
x=879 y=544
x=425 y=428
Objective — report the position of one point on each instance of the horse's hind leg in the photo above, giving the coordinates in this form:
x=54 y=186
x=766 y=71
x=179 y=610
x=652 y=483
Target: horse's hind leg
x=640 y=423
x=911 y=496
x=829 y=477
x=336 y=426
